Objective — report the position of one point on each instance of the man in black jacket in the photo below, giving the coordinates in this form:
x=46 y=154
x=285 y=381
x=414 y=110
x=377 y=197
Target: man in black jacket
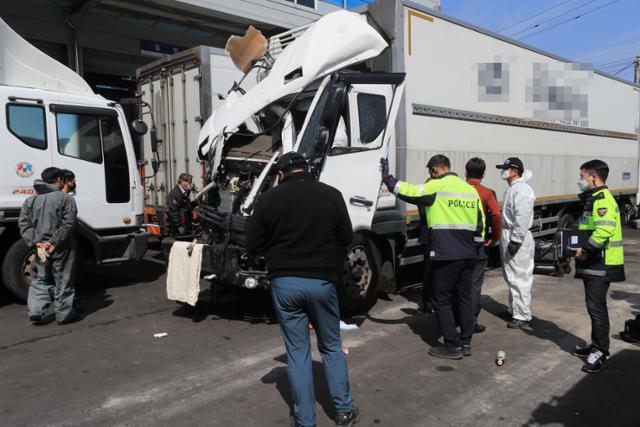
x=180 y=207
x=302 y=226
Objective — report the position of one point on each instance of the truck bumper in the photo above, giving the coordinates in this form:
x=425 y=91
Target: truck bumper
x=228 y=263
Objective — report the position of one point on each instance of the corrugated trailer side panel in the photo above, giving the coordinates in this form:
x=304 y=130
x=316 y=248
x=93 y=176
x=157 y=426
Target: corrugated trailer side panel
x=470 y=94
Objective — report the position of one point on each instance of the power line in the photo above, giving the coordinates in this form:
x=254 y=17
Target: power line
x=569 y=20
x=616 y=62
x=534 y=16
x=553 y=18
x=622 y=69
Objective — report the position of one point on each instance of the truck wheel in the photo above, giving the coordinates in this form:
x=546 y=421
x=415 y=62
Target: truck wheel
x=566 y=221
x=627 y=214
x=361 y=279
x=19 y=269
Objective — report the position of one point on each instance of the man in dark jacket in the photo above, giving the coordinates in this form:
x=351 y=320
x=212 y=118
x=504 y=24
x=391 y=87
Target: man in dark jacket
x=46 y=223
x=301 y=226
x=180 y=207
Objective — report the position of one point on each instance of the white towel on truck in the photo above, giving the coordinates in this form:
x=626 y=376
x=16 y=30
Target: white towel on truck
x=183 y=277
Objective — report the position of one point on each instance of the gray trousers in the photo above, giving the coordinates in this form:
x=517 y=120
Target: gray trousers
x=55 y=279
x=477 y=280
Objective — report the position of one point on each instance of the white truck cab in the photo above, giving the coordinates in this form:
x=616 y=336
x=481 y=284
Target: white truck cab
x=53 y=118
x=311 y=91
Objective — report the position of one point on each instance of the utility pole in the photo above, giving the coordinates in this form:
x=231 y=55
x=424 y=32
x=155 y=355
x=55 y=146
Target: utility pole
x=637 y=70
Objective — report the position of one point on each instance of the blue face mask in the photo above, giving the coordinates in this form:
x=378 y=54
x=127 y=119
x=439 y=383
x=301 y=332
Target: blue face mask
x=583 y=185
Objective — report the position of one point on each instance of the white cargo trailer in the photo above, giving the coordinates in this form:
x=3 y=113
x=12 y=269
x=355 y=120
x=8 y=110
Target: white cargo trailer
x=474 y=93
x=182 y=90
x=468 y=93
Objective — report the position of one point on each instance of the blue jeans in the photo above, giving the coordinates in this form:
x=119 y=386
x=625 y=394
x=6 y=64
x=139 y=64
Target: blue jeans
x=299 y=301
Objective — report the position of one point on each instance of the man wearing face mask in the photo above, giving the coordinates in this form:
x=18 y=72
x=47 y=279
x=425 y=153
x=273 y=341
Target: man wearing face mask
x=600 y=260
x=180 y=207
x=517 y=247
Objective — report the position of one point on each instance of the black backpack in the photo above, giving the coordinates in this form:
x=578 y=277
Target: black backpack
x=631 y=331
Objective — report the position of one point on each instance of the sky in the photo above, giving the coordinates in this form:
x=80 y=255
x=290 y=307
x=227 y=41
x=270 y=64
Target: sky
x=606 y=34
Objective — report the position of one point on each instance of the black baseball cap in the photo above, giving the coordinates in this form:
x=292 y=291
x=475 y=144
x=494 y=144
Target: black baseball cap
x=512 y=162
x=291 y=161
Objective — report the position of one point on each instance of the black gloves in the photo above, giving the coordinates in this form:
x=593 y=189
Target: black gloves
x=384 y=168
x=387 y=178
x=513 y=247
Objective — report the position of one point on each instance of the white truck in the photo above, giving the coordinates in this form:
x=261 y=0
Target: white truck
x=406 y=82
x=53 y=118
x=181 y=91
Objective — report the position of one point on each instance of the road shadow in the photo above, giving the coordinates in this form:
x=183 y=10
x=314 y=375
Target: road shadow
x=233 y=303
x=608 y=398
x=93 y=284
x=423 y=325
x=5 y=297
x=632 y=298
x=539 y=328
x=280 y=378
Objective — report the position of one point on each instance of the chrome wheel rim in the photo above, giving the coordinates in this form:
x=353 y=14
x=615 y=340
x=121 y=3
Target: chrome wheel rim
x=357 y=272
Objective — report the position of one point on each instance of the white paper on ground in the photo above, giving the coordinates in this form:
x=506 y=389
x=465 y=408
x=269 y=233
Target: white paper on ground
x=347 y=327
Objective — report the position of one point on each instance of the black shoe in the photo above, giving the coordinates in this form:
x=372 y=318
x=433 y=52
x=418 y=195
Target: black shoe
x=517 y=324
x=478 y=329
x=595 y=362
x=445 y=352
x=348 y=419
x=427 y=308
x=35 y=320
x=466 y=349
x=582 y=352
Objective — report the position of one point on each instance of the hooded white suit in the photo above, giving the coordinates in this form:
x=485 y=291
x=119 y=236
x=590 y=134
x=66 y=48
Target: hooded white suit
x=517 y=217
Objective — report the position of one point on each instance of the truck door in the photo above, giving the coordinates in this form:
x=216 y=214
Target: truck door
x=350 y=129
x=25 y=148
x=89 y=142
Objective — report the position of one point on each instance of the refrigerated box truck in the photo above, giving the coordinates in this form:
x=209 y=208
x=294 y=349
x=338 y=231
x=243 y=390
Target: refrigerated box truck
x=181 y=91
x=467 y=92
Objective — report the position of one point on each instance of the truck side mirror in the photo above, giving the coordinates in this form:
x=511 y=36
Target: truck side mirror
x=322 y=141
x=155 y=165
x=153 y=138
x=139 y=127
x=333 y=105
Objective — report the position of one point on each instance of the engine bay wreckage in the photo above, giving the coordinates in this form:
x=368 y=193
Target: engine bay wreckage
x=290 y=98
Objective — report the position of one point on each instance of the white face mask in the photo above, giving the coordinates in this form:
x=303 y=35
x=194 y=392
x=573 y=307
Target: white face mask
x=583 y=185
x=505 y=174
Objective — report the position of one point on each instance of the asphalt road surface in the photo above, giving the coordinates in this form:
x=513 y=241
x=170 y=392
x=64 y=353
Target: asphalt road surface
x=227 y=367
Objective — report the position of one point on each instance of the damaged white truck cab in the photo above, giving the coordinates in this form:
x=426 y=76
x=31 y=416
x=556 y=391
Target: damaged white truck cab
x=316 y=98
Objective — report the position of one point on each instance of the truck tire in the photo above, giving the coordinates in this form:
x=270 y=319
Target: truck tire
x=566 y=221
x=19 y=269
x=627 y=214
x=358 y=290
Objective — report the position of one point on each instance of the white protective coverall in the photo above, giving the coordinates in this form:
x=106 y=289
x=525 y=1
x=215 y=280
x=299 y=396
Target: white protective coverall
x=517 y=217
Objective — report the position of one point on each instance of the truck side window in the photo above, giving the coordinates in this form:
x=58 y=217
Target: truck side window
x=27 y=123
x=116 y=168
x=372 y=117
x=79 y=136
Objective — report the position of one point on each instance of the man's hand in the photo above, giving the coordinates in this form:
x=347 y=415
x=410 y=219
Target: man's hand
x=49 y=248
x=580 y=254
x=384 y=168
x=488 y=243
x=40 y=245
x=513 y=247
